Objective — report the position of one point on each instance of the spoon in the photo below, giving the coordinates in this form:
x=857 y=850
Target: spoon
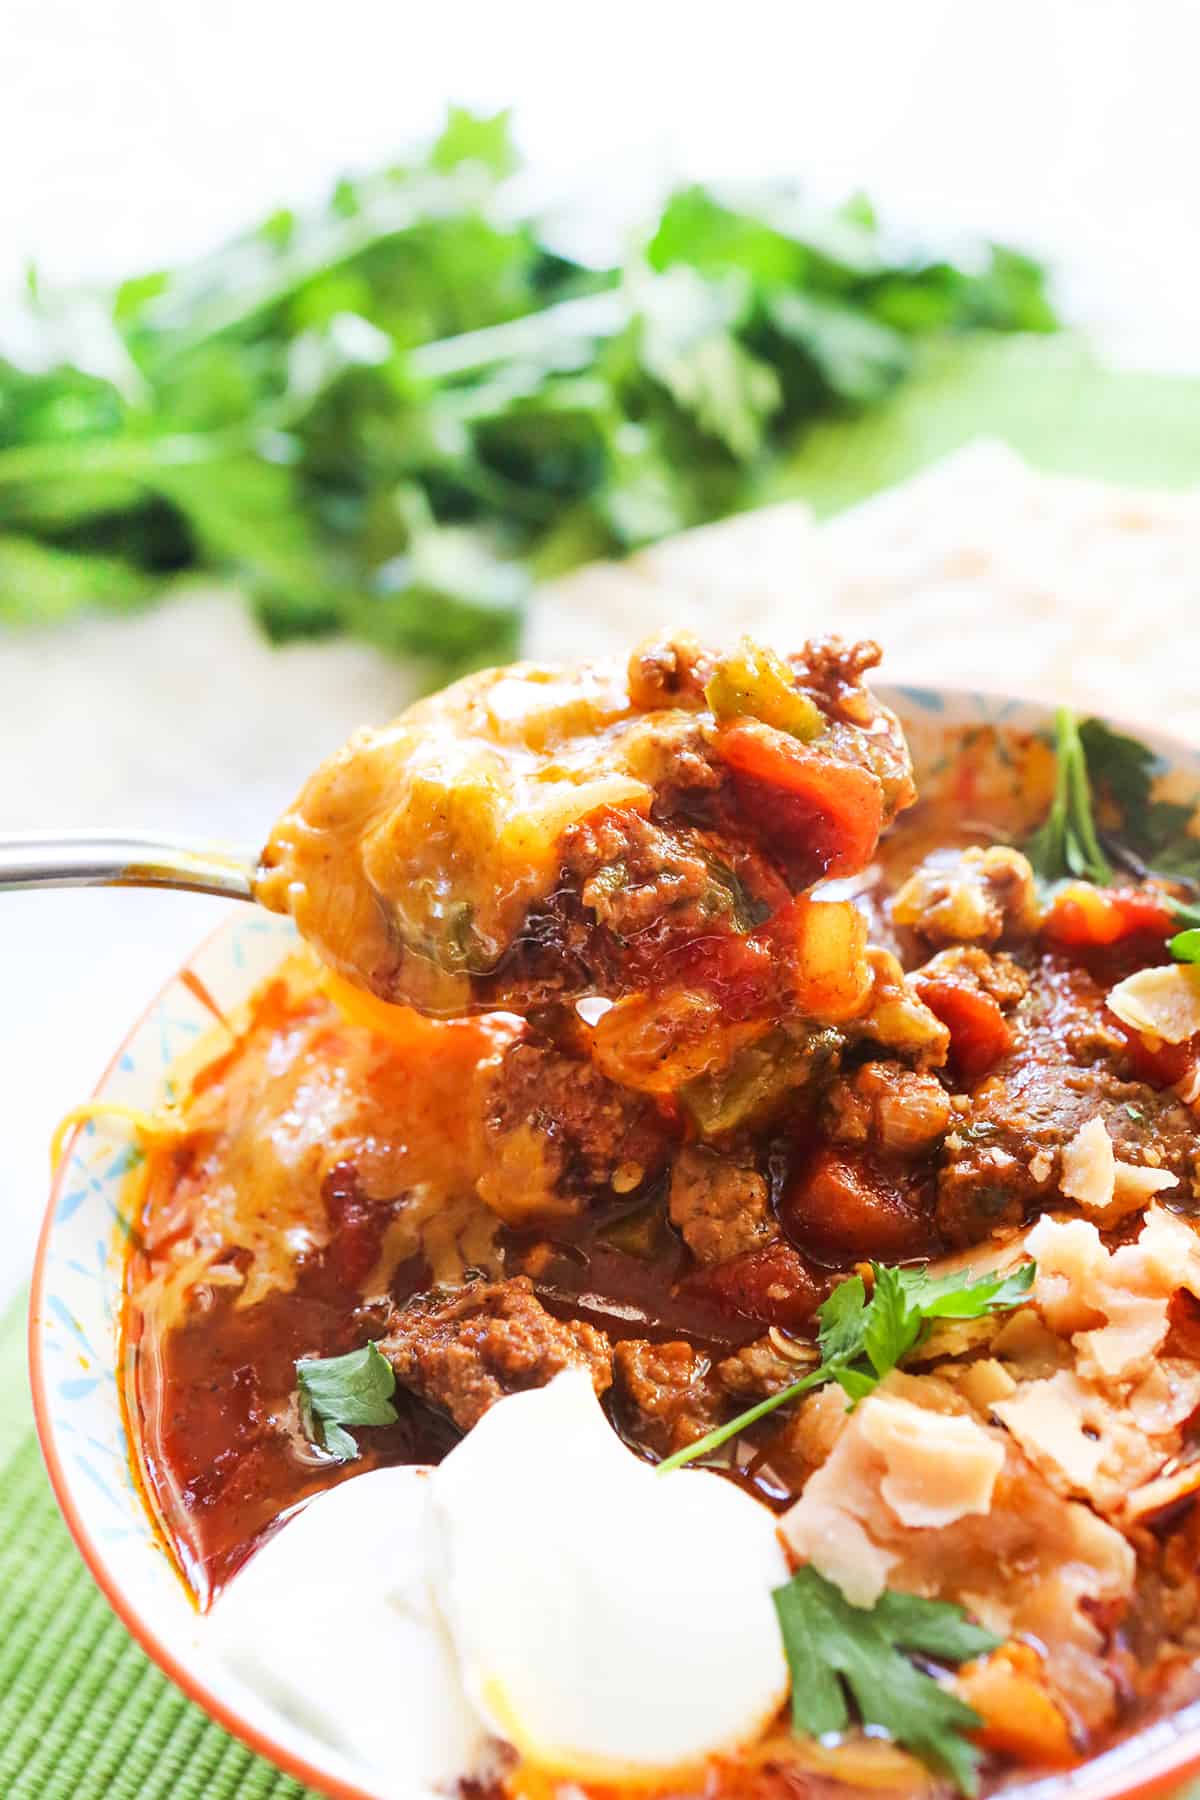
x=125 y=859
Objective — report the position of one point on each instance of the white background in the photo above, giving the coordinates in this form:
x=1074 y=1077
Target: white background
x=137 y=131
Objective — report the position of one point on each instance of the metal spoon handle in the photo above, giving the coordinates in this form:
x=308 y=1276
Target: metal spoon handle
x=125 y=859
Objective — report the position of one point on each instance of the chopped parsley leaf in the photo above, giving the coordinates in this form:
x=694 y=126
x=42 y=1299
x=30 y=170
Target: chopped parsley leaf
x=336 y=1391
x=832 y=1647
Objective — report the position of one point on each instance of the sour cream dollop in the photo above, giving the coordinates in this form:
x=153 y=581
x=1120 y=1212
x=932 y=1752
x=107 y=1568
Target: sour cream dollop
x=606 y=1619
x=544 y=1586
x=333 y=1624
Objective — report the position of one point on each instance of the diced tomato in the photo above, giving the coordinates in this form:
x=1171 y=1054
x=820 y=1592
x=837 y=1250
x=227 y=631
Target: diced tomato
x=980 y=1035
x=1083 y=917
x=774 y=1285
x=809 y=804
x=810 y=957
x=1165 y=1066
x=844 y=1205
x=740 y=972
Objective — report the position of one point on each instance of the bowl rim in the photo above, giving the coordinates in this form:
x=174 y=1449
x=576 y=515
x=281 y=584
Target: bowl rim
x=1165 y=1766
x=282 y=1755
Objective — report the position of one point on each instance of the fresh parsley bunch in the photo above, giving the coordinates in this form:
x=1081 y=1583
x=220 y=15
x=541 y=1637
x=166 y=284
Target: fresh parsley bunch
x=386 y=415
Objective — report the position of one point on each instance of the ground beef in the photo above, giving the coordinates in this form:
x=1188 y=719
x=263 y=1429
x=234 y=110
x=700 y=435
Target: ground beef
x=666 y=1396
x=632 y=871
x=1001 y=1157
x=465 y=1350
x=557 y=1132
x=760 y=1368
x=888 y=1107
x=835 y=667
x=998 y=975
x=667 y=672
x=720 y=1206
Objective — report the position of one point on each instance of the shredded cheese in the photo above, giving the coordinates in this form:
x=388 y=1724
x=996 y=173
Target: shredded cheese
x=1092 y=1175
x=146 y=1125
x=1162 y=1004
x=938 y=1467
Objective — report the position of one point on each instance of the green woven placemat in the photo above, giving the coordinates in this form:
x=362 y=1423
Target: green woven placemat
x=83 y=1714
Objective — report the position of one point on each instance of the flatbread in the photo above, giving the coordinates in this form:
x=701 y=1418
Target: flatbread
x=978 y=572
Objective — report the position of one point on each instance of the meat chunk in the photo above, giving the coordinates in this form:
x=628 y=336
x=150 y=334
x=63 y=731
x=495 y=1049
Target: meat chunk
x=891 y=1108
x=970 y=897
x=669 y=1395
x=720 y=1206
x=666 y=1396
x=463 y=1351
x=557 y=1132
x=762 y=1368
x=670 y=671
x=997 y=975
x=1002 y=1160
x=633 y=872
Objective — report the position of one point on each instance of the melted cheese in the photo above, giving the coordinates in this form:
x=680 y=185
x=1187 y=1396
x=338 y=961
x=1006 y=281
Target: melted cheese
x=301 y=1090
x=437 y=833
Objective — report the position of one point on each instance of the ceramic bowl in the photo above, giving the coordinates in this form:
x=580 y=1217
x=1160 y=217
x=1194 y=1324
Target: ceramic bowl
x=76 y=1294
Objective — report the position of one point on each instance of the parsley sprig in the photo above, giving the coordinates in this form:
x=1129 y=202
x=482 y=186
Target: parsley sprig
x=1094 y=762
x=832 y=1647
x=1067 y=843
x=863 y=1339
x=336 y=1391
